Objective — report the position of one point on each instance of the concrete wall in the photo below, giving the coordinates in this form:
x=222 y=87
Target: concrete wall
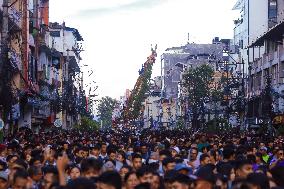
x=280 y=4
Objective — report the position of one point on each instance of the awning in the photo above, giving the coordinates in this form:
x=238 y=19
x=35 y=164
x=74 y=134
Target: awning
x=55 y=53
x=274 y=34
x=46 y=49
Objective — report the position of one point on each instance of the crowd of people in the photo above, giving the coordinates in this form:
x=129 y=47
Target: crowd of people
x=124 y=159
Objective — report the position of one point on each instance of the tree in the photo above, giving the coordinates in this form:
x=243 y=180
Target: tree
x=105 y=109
x=88 y=124
x=197 y=82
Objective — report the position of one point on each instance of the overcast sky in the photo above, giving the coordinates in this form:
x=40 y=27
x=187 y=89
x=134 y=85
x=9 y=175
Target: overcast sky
x=118 y=33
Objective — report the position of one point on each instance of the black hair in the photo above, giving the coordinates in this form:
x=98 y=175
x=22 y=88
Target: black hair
x=96 y=147
x=81 y=183
x=165 y=152
x=168 y=160
x=111 y=178
x=22 y=163
x=239 y=164
x=259 y=179
x=144 y=170
x=224 y=168
x=136 y=156
x=34 y=170
x=251 y=158
x=70 y=167
x=20 y=173
x=203 y=157
x=181 y=178
x=9 y=157
x=145 y=185
x=36 y=158
x=89 y=163
x=50 y=169
x=127 y=175
x=110 y=151
x=278 y=175
x=228 y=152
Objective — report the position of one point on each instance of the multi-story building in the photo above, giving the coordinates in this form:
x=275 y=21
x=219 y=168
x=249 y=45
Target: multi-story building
x=266 y=84
x=41 y=82
x=251 y=23
x=175 y=59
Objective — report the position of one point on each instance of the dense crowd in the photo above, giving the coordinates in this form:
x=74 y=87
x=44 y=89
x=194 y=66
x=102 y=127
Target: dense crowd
x=146 y=159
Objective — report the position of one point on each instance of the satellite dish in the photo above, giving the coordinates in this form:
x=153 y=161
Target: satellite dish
x=58 y=123
x=1 y=124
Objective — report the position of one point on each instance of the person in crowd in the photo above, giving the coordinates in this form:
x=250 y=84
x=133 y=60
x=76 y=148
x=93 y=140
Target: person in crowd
x=74 y=172
x=277 y=159
x=3 y=180
x=136 y=161
x=20 y=180
x=243 y=169
x=95 y=152
x=91 y=167
x=193 y=162
x=109 y=180
x=169 y=164
x=129 y=159
x=131 y=180
x=103 y=154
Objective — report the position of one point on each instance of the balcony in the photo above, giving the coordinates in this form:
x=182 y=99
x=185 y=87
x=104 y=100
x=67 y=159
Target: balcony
x=281 y=52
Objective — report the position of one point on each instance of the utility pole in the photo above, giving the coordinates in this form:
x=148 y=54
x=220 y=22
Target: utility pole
x=4 y=35
x=25 y=40
x=4 y=54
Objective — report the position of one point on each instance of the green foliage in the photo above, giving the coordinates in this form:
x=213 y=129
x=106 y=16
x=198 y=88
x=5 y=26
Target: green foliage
x=138 y=95
x=87 y=124
x=197 y=82
x=280 y=130
x=105 y=109
x=180 y=123
x=217 y=125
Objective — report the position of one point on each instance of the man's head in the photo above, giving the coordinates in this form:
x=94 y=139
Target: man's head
x=137 y=161
x=204 y=159
x=145 y=174
x=243 y=169
x=111 y=154
x=104 y=148
x=181 y=181
x=169 y=164
x=81 y=183
x=144 y=149
x=91 y=167
x=163 y=154
x=20 y=179
x=109 y=180
x=193 y=154
x=95 y=151
x=3 y=180
x=280 y=154
x=35 y=173
x=50 y=176
x=228 y=153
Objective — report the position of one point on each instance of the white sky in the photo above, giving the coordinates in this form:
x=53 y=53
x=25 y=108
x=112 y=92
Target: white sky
x=118 y=33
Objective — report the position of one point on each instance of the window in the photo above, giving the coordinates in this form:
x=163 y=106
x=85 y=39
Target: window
x=55 y=33
x=272 y=13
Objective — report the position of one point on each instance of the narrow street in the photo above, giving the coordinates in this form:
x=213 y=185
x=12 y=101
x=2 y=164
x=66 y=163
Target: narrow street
x=141 y=94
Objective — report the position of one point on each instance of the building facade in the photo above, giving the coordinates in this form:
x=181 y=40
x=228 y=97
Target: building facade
x=41 y=82
x=266 y=84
